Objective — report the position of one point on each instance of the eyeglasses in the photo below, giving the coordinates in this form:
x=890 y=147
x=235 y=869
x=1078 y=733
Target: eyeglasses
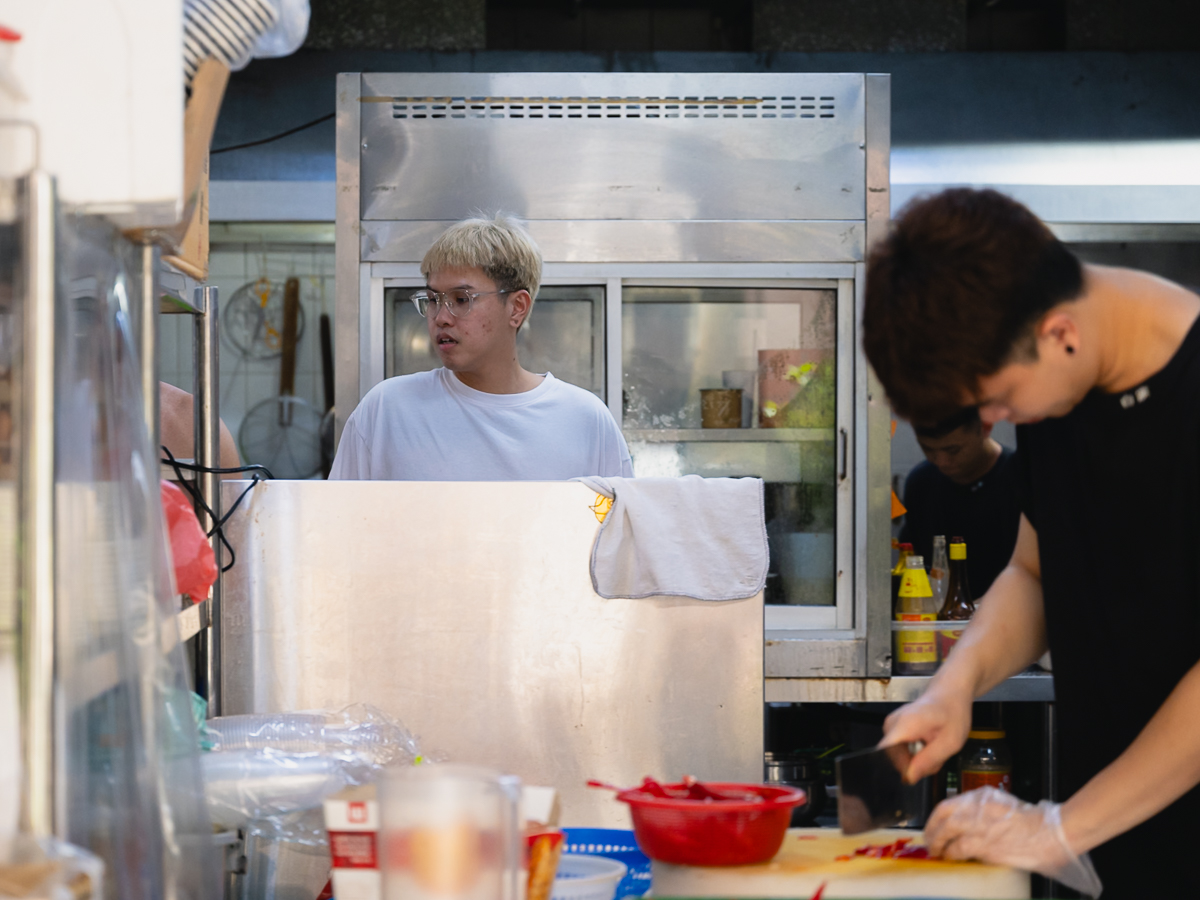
x=460 y=301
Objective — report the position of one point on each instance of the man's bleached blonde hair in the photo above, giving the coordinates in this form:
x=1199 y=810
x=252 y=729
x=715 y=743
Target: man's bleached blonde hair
x=499 y=245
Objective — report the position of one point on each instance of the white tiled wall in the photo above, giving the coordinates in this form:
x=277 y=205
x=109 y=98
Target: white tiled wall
x=246 y=382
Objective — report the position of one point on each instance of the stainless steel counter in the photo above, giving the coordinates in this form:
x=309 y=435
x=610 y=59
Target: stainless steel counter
x=466 y=610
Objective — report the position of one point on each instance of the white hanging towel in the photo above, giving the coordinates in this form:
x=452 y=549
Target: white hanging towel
x=704 y=538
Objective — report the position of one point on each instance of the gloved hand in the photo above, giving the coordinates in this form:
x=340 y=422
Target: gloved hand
x=993 y=826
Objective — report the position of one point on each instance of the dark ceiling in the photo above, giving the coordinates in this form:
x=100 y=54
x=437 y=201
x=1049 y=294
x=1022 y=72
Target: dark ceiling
x=756 y=25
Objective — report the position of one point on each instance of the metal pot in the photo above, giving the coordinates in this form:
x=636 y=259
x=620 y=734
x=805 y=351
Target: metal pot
x=798 y=771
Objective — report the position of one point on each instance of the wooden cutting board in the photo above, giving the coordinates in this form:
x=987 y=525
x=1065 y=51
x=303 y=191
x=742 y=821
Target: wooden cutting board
x=808 y=859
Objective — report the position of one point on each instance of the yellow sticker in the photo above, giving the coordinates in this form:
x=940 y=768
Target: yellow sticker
x=958 y=551
x=601 y=507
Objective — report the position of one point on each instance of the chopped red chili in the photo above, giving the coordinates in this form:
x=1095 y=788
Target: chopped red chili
x=898 y=849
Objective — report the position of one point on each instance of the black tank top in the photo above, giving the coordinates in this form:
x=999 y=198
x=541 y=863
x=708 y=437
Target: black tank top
x=1113 y=490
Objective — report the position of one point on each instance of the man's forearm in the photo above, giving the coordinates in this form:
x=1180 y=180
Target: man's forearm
x=1153 y=772
x=1006 y=635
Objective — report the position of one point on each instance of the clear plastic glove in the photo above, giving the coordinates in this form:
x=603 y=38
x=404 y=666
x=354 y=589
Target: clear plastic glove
x=993 y=826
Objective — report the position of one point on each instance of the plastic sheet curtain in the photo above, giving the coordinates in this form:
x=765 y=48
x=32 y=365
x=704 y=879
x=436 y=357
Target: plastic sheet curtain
x=10 y=328
x=130 y=776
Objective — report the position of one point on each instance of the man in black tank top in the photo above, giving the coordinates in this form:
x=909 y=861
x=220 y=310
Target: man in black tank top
x=971 y=301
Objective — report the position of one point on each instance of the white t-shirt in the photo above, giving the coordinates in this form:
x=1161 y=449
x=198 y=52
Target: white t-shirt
x=432 y=427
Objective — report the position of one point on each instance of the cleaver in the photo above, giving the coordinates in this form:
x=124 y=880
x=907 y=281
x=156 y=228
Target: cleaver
x=872 y=792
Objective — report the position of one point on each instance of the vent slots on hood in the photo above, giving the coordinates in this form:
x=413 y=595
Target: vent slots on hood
x=610 y=107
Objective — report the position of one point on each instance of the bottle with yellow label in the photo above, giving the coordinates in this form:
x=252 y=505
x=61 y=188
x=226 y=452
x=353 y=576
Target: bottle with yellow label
x=906 y=550
x=914 y=651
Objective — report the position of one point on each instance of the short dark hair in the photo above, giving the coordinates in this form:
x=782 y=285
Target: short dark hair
x=953 y=294
x=968 y=417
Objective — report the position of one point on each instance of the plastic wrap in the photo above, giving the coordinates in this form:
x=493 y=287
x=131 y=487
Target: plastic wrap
x=50 y=869
x=11 y=329
x=269 y=774
x=359 y=728
x=247 y=785
x=131 y=774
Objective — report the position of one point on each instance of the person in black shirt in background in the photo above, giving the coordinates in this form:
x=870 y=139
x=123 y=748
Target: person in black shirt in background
x=972 y=301
x=967 y=487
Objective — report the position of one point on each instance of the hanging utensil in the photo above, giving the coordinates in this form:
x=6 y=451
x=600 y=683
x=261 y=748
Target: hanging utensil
x=283 y=433
x=252 y=320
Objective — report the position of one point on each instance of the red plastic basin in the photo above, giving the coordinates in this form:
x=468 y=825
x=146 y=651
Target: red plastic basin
x=712 y=832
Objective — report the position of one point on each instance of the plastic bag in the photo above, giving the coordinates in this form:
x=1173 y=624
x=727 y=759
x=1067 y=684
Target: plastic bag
x=50 y=869
x=270 y=774
x=235 y=31
x=245 y=785
x=360 y=729
x=289 y=31
x=195 y=563
x=129 y=778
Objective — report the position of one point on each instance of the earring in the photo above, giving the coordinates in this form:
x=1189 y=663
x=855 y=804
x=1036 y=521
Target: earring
x=1070 y=349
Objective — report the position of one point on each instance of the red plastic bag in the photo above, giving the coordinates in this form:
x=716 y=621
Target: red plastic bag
x=195 y=563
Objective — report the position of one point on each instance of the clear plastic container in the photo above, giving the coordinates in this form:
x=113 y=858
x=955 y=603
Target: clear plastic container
x=581 y=877
x=613 y=843
x=451 y=832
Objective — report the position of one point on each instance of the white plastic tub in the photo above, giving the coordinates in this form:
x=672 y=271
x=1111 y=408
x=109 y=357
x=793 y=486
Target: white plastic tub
x=581 y=877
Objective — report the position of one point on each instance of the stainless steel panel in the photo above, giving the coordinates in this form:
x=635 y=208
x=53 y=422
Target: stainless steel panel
x=1032 y=688
x=613 y=146
x=879 y=143
x=873 y=555
x=346 y=262
x=873 y=414
x=634 y=241
x=1134 y=232
x=812 y=657
x=467 y=611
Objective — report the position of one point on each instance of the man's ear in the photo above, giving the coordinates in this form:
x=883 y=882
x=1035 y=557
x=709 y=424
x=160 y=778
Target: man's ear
x=1058 y=333
x=521 y=305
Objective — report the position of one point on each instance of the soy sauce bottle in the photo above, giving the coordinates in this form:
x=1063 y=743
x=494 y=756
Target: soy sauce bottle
x=959 y=605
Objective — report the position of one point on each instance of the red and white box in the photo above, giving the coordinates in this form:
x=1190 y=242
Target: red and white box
x=352 y=820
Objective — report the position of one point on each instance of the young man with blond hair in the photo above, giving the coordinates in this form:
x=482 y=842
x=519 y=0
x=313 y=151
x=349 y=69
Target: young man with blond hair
x=482 y=416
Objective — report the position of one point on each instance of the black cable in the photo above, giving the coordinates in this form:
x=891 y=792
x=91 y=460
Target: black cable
x=218 y=528
x=190 y=467
x=274 y=137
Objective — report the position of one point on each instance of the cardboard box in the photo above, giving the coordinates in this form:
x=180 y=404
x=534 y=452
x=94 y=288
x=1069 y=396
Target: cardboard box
x=352 y=820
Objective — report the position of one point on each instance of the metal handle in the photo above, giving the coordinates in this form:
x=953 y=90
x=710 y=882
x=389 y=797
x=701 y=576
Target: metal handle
x=843 y=453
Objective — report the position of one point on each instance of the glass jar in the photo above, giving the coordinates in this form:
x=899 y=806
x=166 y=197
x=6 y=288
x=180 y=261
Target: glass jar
x=986 y=761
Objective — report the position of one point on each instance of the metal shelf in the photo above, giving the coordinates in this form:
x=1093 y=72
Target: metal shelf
x=1028 y=686
x=743 y=435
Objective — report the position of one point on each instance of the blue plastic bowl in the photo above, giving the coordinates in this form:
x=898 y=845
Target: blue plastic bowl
x=613 y=843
